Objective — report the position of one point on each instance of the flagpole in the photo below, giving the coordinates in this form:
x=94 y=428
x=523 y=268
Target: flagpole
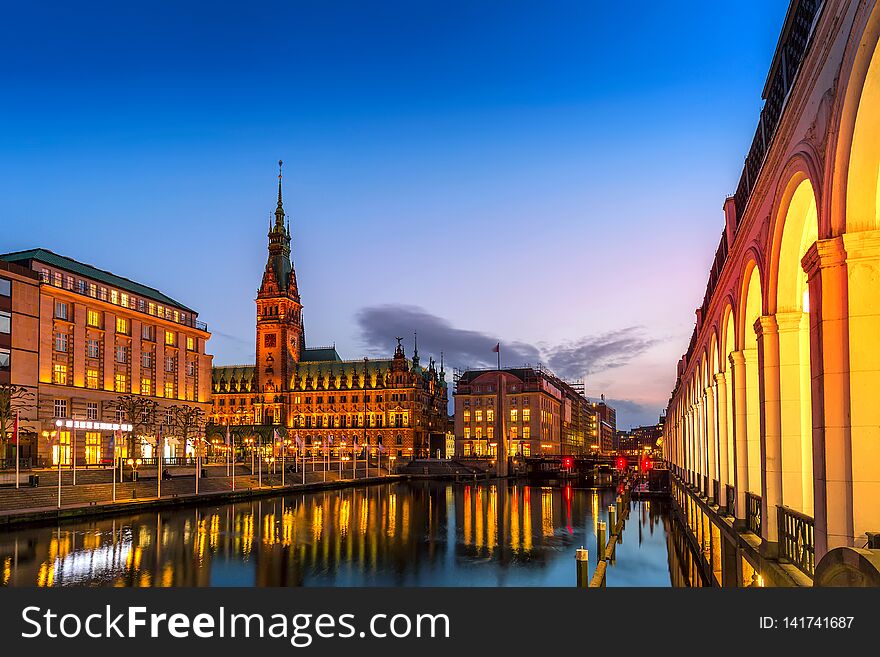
x=260 y=463
x=17 y=448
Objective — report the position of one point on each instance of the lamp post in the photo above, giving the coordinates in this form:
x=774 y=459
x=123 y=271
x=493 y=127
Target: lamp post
x=134 y=464
x=50 y=437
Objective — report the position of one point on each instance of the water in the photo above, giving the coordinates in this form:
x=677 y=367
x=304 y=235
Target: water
x=402 y=534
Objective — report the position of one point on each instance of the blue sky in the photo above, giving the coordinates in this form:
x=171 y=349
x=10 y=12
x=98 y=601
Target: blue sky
x=549 y=175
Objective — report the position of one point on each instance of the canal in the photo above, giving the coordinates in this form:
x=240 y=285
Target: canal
x=402 y=534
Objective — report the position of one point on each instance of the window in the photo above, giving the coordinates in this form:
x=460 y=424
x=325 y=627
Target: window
x=147 y=360
x=114 y=297
x=92 y=411
x=93 y=448
x=170 y=338
x=152 y=308
x=92 y=348
x=478 y=415
x=61 y=451
x=5 y=359
x=190 y=343
x=527 y=415
x=479 y=433
x=5 y=287
x=513 y=415
x=60 y=310
x=60 y=408
x=121 y=354
x=93 y=317
x=513 y=433
x=398 y=440
x=59 y=374
x=81 y=286
x=123 y=299
x=92 y=379
x=169 y=363
x=93 y=290
x=68 y=282
x=490 y=433
x=56 y=278
x=5 y=322
x=169 y=417
x=527 y=433
x=61 y=342
x=148 y=332
x=467 y=433
x=141 y=305
x=191 y=368
x=467 y=416
x=490 y=415
x=102 y=295
x=120 y=415
x=169 y=389
x=122 y=325
x=146 y=387
x=121 y=383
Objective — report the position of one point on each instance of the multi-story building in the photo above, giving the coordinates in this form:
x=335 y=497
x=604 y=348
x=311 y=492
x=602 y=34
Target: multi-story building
x=19 y=346
x=607 y=424
x=312 y=392
x=536 y=411
x=101 y=336
x=640 y=439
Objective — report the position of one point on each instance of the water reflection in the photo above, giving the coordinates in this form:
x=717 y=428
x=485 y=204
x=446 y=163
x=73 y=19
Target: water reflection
x=406 y=534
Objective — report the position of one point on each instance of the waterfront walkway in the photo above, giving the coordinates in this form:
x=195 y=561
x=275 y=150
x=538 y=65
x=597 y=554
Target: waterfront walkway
x=91 y=497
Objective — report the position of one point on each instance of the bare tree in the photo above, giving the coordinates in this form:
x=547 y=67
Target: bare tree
x=140 y=413
x=189 y=421
x=12 y=399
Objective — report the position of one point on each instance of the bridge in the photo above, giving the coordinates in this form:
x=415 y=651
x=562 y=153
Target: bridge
x=773 y=426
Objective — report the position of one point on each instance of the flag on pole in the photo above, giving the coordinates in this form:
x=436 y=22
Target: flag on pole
x=497 y=348
x=381 y=447
x=15 y=431
x=227 y=435
x=298 y=441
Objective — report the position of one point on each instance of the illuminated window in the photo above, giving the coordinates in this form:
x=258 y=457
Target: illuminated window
x=169 y=389
x=114 y=297
x=56 y=278
x=467 y=433
x=122 y=325
x=490 y=433
x=61 y=342
x=190 y=343
x=59 y=374
x=467 y=416
x=513 y=414
x=479 y=433
x=527 y=415
x=527 y=433
x=92 y=379
x=513 y=433
x=102 y=294
x=152 y=308
x=490 y=415
x=146 y=387
x=123 y=299
x=170 y=338
x=93 y=317
x=61 y=451
x=93 y=290
x=93 y=448
x=121 y=383
x=478 y=415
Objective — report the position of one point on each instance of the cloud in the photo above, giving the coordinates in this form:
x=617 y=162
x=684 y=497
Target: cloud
x=465 y=348
x=634 y=414
x=589 y=355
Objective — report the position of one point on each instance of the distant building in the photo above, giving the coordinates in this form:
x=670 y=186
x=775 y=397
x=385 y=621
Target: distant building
x=538 y=412
x=315 y=395
x=94 y=337
x=606 y=424
x=638 y=439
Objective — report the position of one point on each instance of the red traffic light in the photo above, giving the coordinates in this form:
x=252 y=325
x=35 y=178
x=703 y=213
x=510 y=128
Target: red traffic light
x=567 y=462
x=621 y=463
x=646 y=465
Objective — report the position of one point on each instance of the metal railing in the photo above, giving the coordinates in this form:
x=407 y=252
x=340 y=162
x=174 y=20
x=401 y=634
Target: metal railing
x=796 y=543
x=731 y=501
x=753 y=513
x=716 y=491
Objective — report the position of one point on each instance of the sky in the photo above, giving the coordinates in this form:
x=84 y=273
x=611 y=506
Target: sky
x=547 y=175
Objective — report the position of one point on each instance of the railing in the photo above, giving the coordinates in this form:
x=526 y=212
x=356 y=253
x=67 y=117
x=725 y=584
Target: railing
x=9 y=464
x=753 y=513
x=716 y=491
x=796 y=539
x=705 y=489
x=731 y=501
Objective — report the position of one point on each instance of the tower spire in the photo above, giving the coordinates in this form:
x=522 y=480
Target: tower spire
x=415 y=358
x=279 y=211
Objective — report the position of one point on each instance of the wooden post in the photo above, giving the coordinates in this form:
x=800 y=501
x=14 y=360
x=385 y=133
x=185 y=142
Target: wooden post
x=582 y=561
x=600 y=541
x=612 y=519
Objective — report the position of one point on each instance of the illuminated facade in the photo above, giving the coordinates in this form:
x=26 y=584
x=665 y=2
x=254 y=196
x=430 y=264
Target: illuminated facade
x=773 y=424
x=535 y=411
x=101 y=336
x=315 y=395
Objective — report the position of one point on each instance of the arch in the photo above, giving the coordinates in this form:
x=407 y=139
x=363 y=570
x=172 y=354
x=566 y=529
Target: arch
x=796 y=230
x=751 y=304
x=857 y=161
x=728 y=346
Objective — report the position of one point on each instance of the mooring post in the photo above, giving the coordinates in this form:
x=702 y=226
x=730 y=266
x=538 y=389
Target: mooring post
x=582 y=561
x=612 y=519
x=600 y=541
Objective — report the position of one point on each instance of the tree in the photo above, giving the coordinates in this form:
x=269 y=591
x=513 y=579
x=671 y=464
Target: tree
x=12 y=399
x=140 y=413
x=189 y=422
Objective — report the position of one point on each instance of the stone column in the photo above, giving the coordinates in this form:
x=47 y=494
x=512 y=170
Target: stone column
x=825 y=264
x=741 y=453
x=771 y=432
x=711 y=438
x=723 y=456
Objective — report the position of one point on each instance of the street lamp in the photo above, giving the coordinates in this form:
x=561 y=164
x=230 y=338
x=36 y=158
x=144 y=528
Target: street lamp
x=50 y=437
x=134 y=464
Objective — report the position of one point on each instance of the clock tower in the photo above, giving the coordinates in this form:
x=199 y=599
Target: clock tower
x=280 y=334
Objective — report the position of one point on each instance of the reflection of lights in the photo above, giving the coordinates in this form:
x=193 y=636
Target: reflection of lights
x=82 y=566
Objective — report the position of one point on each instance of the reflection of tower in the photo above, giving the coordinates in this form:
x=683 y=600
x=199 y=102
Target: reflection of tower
x=501 y=430
x=280 y=333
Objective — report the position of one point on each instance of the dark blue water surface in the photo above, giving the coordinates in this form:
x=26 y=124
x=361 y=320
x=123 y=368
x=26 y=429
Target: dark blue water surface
x=401 y=534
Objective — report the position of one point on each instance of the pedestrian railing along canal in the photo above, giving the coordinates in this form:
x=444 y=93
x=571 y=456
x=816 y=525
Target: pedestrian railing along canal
x=796 y=543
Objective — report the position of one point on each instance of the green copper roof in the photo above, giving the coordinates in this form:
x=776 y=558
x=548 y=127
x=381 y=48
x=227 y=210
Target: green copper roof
x=68 y=264
x=319 y=354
